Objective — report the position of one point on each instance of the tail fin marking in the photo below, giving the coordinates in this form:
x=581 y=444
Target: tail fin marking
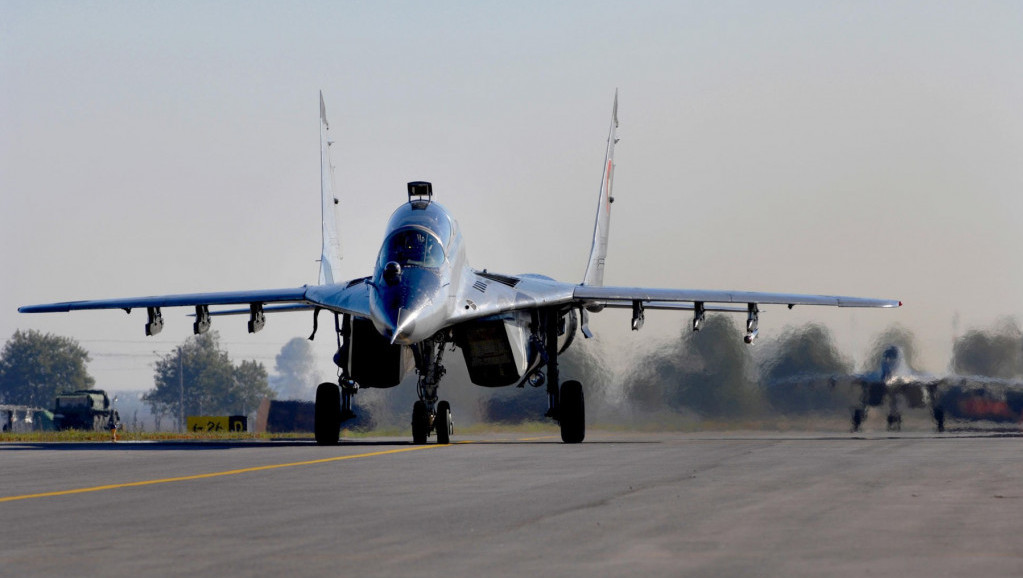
x=330 y=256
x=598 y=251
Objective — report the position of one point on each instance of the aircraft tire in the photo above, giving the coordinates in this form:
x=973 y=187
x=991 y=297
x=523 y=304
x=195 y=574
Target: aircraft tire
x=573 y=413
x=420 y=423
x=443 y=423
x=857 y=419
x=327 y=414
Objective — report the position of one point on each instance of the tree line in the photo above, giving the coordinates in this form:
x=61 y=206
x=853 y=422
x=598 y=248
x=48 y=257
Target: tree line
x=709 y=374
x=197 y=378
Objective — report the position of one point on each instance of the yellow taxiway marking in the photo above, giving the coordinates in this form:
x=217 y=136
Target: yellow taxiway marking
x=537 y=438
x=214 y=474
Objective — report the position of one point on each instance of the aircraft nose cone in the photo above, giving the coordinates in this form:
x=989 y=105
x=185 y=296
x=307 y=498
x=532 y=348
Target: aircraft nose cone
x=404 y=327
x=397 y=325
x=402 y=312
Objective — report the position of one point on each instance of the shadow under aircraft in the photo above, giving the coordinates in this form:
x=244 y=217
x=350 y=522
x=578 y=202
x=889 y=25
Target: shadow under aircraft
x=422 y=297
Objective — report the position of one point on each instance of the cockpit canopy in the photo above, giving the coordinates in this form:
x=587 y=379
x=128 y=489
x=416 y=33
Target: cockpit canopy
x=418 y=236
x=412 y=246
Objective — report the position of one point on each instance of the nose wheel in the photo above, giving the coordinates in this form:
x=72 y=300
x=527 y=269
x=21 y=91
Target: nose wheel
x=423 y=422
x=420 y=423
x=442 y=423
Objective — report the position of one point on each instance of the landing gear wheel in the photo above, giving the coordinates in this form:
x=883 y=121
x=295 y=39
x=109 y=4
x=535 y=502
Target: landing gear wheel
x=939 y=419
x=857 y=419
x=420 y=423
x=573 y=413
x=442 y=423
x=327 y=414
x=895 y=422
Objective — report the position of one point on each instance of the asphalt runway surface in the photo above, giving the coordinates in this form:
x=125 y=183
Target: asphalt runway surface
x=657 y=504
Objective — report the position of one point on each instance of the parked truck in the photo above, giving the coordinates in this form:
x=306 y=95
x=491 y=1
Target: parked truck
x=84 y=409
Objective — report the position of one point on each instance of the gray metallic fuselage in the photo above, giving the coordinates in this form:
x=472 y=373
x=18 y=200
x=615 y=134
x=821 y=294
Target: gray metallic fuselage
x=416 y=297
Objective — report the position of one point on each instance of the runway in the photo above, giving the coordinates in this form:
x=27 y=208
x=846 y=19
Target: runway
x=657 y=504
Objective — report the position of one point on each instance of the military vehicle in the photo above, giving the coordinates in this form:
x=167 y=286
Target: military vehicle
x=84 y=409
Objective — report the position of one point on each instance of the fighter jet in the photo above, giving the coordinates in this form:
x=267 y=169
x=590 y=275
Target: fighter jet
x=896 y=386
x=422 y=297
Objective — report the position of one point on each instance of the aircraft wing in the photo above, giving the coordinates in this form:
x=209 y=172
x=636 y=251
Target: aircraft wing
x=351 y=297
x=181 y=300
x=664 y=296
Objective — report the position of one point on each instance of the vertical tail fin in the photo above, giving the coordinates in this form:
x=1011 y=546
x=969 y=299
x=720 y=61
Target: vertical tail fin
x=598 y=251
x=330 y=257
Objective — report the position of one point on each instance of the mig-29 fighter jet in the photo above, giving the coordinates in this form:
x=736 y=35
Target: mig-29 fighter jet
x=895 y=385
x=422 y=296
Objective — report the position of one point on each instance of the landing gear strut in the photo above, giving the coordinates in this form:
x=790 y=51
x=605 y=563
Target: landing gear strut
x=567 y=406
x=333 y=400
x=428 y=414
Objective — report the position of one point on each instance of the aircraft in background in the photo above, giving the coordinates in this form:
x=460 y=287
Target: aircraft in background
x=422 y=297
x=895 y=385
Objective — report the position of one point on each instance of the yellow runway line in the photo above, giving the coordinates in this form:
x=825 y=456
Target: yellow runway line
x=212 y=475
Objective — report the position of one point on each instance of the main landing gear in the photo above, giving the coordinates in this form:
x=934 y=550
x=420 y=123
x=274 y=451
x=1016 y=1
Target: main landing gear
x=573 y=413
x=333 y=407
x=566 y=402
x=859 y=414
x=939 y=419
x=333 y=400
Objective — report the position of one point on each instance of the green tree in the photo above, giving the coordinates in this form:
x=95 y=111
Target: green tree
x=35 y=367
x=200 y=374
x=249 y=387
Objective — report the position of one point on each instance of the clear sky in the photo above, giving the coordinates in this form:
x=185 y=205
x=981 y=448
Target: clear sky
x=861 y=148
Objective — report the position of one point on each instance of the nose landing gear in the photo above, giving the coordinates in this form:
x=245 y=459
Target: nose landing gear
x=428 y=414
x=439 y=422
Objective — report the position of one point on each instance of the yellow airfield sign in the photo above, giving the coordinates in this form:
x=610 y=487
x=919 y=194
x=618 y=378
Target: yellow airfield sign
x=217 y=423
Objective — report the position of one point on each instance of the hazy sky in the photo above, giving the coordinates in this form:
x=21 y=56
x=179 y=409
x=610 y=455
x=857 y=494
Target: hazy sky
x=861 y=148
